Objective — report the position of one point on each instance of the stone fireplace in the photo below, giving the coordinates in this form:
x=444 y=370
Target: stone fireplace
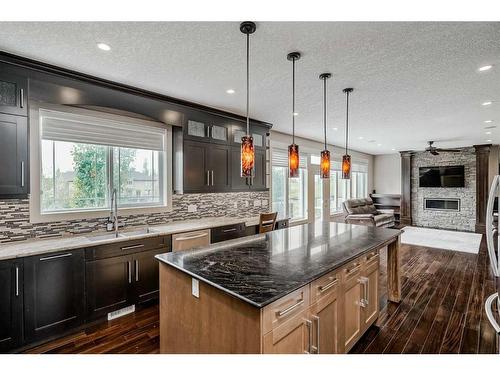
x=445 y=208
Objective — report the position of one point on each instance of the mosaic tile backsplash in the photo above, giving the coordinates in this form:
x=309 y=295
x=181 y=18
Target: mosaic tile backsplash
x=15 y=225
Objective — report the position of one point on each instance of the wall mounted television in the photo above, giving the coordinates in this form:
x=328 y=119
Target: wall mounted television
x=442 y=177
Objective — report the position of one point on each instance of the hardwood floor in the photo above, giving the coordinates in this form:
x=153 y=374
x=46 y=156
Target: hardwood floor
x=442 y=311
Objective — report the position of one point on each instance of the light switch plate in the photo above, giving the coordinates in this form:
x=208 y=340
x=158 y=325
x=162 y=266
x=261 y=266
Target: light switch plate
x=195 y=288
x=192 y=208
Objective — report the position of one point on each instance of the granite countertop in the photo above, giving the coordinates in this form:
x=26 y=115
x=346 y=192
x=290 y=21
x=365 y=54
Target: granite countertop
x=262 y=268
x=43 y=246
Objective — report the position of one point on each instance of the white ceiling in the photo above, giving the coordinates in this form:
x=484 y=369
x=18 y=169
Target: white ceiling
x=412 y=82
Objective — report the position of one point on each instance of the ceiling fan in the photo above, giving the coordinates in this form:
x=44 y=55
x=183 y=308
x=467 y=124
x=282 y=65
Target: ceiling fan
x=435 y=150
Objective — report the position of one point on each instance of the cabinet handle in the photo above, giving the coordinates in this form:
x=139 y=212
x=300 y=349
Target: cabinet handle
x=55 y=257
x=131 y=247
x=129 y=271
x=136 y=270
x=17 y=281
x=212 y=174
x=354 y=268
x=309 y=329
x=228 y=230
x=191 y=237
x=327 y=286
x=208 y=178
x=22 y=174
x=364 y=281
x=316 y=348
x=21 y=98
x=290 y=308
x=371 y=256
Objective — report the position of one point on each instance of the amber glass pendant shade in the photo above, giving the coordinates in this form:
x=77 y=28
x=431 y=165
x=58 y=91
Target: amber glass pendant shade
x=247 y=156
x=346 y=167
x=325 y=164
x=293 y=160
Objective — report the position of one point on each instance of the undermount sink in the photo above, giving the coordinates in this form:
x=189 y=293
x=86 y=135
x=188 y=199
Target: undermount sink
x=103 y=237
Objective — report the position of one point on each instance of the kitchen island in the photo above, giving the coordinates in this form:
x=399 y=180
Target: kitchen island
x=307 y=289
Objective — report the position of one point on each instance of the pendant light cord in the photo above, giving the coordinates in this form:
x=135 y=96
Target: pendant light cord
x=293 y=101
x=347 y=122
x=248 y=80
x=324 y=107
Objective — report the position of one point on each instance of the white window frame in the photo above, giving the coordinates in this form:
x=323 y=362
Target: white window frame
x=36 y=215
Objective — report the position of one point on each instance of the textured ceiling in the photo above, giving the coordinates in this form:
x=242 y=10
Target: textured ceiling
x=412 y=82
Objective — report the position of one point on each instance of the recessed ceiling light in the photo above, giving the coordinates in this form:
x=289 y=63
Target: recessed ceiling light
x=360 y=137
x=393 y=149
x=485 y=68
x=103 y=46
x=487 y=103
x=230 y=91
x=488 y=133
x=488 y=121
x=335 y=129
x=295 y=113
x=488 y=140
x=379 y=144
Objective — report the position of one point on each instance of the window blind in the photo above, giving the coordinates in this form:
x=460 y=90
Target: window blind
x=280 y=158
x=77 y=128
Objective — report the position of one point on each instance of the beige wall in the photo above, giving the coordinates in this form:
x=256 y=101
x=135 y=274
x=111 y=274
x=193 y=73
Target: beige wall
x=387 y=174
x=282 y=140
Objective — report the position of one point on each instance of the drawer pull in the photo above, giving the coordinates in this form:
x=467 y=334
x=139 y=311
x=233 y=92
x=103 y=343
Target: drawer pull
x=132 y=247
x=228 y=230
x=371 y=256
x=323 y=288
x=191 y=237
x=290 y=308
x=354 y=268
x=17 y=281
x=364 y=281
x=55 y=257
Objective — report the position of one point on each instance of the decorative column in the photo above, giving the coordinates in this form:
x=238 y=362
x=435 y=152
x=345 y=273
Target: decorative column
x=405 y=211
x=482 y=185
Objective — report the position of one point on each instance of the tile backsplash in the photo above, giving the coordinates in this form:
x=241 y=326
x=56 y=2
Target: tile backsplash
x=15 y=224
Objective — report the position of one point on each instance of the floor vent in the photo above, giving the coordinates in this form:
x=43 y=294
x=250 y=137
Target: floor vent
x=116 y=314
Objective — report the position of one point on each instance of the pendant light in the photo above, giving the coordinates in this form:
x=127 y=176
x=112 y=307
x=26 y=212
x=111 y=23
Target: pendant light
x=346 y=159
x=293 y=149
x=325 y=154
x=247 y=146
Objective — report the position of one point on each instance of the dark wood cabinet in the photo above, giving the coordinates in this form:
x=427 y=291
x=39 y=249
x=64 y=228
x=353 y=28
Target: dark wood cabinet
x=116 y=281
x=11 y=304
x=196 y=171
x=206 y=167
x=53 y=294
x=14 y=173
x=219 y=159
x=258 y=181
x=146 y=276
x=108 y=285
x=227 y=232
x=202 y=126
x=13 y=92
x=239 y=129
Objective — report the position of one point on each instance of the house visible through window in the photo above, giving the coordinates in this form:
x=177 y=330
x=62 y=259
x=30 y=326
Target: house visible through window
x=83 y=158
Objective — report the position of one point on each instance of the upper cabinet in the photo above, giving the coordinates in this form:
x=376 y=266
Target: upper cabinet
x=13 y=93
x=13 y=156
x=239 y=129
x=202 y=126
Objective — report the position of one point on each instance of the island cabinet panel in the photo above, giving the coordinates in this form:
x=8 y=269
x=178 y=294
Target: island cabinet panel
x=11 y=306
x=213 y=322
x=352 y=305
x=370 y=305
x=291 y=337
x=53 y=293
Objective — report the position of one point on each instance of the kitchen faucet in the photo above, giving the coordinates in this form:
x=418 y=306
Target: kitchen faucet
x=113 y=215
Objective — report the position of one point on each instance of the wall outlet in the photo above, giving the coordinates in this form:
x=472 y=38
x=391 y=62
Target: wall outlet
x=264 y=202
x=246 y=204
x=192 y=208
x=235 y=204
x=195 y=288
x=256 y=203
